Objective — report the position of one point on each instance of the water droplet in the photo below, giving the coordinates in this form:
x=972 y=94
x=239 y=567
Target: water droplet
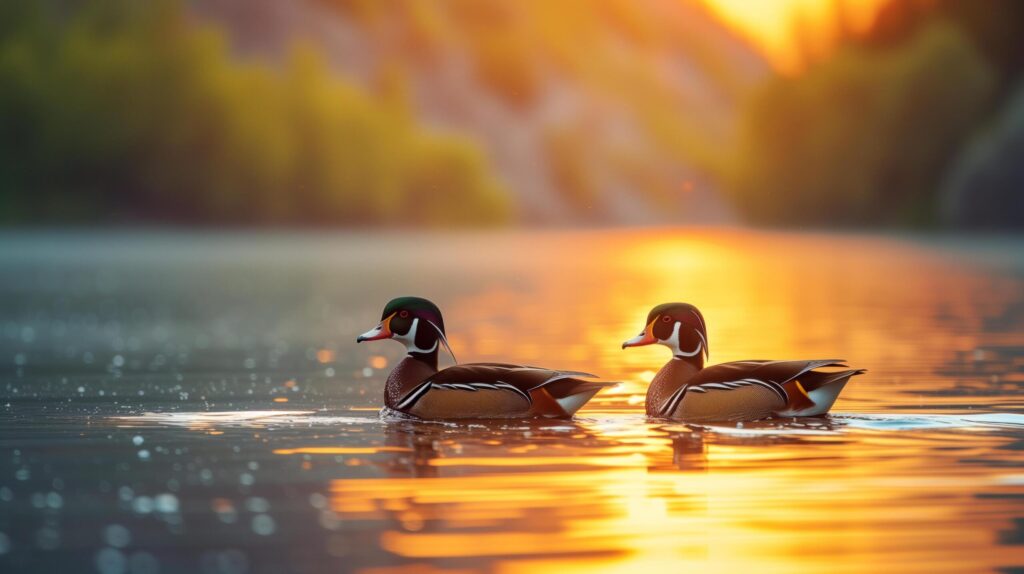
x=317 y=500
x=225 y=510
x=143 y=563
x=329 y=520
x=138 y=440
x=166 y=503
x=263 y=525
x=110 y=561
x=257 y=504
x=117 y=536
x=142 y=505
x=118 y=361
x=144 y=454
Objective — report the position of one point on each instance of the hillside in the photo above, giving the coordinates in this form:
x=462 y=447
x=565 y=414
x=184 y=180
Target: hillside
x=618 y=111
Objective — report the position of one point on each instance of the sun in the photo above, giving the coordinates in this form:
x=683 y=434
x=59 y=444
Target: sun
x=772 y=25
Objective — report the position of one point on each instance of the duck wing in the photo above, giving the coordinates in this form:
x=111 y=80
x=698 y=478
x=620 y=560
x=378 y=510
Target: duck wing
x=520 y=380
x=772 y=375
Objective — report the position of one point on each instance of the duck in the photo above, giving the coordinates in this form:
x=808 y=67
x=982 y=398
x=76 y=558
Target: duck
x=468 y=391
x=684 y=389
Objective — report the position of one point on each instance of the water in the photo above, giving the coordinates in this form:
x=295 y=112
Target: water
x=175 y=403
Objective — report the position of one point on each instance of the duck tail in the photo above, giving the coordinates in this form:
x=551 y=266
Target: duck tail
x=822 y=390
x=571 y=394
x=823 y=379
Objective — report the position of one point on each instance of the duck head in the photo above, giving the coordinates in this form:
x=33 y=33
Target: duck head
x=678 y=326
x=413 y=321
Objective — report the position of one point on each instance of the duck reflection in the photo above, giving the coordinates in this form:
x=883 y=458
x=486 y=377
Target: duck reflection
x=690 y=445
x=689 y=451
x=422 y=450
x=422 y=444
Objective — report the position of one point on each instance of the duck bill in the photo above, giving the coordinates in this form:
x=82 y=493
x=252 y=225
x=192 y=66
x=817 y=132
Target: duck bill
x=645 y=338
x=381 y=331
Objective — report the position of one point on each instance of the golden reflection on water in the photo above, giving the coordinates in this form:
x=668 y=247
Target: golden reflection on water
x=643 y=496
x=613 y=491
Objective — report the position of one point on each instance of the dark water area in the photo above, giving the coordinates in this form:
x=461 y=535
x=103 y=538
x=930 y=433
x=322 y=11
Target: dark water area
x=196 y=403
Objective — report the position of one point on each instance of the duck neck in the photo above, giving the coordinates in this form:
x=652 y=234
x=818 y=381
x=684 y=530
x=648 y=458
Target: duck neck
x=428 y=358
x=695 y=362
x=682 y=368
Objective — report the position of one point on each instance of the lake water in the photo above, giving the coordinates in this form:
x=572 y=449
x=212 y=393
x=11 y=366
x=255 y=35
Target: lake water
x=196 y=403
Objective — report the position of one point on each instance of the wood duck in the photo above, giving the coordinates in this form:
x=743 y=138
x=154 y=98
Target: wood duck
x=481 y=390
x=739 y=391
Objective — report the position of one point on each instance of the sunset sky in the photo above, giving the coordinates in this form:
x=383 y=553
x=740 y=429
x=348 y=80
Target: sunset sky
x=769 y=23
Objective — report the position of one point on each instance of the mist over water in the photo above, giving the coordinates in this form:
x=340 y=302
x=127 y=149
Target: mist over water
x=197 y=403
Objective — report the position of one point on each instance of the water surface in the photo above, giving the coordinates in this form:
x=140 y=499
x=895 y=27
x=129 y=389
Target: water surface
x=174 y=403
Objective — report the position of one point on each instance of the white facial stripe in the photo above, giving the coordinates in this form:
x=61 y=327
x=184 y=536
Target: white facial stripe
x=444 y=340
x=409 y=339
x=692 y=353
x=703 y=340
x=700 y=320
x=673 y=343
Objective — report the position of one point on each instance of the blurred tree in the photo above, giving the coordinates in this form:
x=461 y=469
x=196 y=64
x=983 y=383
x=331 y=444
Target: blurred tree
x=863 y=137
x=985 y=189
x=115 y=109
x=995 y=26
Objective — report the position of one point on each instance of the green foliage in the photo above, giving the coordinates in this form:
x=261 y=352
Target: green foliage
x=863 y=137
x=995 y=27
x=125 y=109
x=984 y=188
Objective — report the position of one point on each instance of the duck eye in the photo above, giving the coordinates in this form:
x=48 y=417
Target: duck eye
x=403 y=314
x=666 y=319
